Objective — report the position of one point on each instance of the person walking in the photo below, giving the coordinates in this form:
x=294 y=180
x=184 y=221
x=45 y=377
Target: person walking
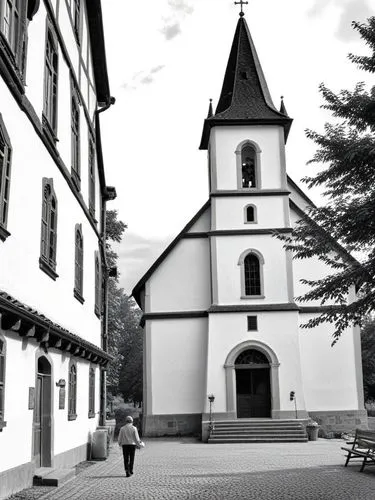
x=128 y=438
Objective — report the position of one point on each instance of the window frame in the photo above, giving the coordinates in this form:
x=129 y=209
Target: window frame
x=98 y=297
x=75 y=118
x=257 y=161
x=48 y=235
x=50 y=84
x=76 y=18
x=255 y=214
x=241 y=263
x=2 y=380
x=92 y=175
x=78 y=263
x=6 y=152
x=92 y=384
x=72 y=391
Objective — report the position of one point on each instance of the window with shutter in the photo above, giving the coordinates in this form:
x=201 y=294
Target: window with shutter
x=78 y=264
x=5 y=171
x=48 y=240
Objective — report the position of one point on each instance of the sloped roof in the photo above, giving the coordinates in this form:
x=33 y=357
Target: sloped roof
x=244 y=97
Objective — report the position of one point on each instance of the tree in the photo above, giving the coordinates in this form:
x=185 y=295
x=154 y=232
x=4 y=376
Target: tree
x=347 y=148
x=131 y=350
x=368 y=358
x=125 y=338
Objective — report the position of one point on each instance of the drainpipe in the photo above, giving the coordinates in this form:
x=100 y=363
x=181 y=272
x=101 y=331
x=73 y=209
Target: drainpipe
x=109 y=194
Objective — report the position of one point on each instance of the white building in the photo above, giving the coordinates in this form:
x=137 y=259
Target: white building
x=52 y=203
x=219 y=304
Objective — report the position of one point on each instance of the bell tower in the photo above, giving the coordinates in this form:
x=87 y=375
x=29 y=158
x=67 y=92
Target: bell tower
x=252 y=274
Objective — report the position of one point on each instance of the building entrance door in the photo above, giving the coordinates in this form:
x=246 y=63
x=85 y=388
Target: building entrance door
x=42 y=414
x=253 y=385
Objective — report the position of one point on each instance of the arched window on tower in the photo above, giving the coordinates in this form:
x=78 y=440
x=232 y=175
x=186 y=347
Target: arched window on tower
x=250 y=214
x=248 y=167
x=252 y=275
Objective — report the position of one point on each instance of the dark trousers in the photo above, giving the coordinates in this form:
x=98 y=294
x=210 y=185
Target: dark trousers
x=128 y=450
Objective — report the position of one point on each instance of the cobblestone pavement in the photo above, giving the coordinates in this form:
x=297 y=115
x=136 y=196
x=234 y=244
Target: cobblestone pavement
x=187 y=469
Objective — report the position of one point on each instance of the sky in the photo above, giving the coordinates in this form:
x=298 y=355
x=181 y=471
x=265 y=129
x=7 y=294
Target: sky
x=166 y=58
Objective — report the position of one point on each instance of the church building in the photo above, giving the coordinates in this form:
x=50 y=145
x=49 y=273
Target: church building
x=53 y=195
x=222 y=327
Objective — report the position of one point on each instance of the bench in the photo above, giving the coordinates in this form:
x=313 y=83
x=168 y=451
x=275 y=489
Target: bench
x=363 y=448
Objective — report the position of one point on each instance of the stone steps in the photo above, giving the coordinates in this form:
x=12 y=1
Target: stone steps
x=258 y=431
x=47 y=476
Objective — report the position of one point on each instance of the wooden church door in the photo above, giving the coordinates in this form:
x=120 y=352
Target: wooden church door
x=42 y=415
x=253 y=385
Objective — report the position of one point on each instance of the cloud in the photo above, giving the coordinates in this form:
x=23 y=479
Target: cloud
x=136 y=255
x=171 y=30
x=172 y=23
x=351 y=10
x=142 y=78
x=181 y=6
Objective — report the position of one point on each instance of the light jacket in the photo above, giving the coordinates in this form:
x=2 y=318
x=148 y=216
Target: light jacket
x=128 y=435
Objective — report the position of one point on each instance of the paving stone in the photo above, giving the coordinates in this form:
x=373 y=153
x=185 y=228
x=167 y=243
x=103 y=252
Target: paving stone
x=187 y=469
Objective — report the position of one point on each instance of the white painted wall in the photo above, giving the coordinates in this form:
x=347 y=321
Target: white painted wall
x=278 y=330
x=203 y=224
x=16 y=437
x=229 y=213
x=178 y=365
x=330 y=374
x=35 y=77
x=182 y=281
x=228 y=252
x=224 y=142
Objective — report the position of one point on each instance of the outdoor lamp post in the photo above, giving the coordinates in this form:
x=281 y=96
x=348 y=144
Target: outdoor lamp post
x=211 y=399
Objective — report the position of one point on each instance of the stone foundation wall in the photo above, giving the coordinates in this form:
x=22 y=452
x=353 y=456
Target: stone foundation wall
x=172 y=425
x=340 y=421
x=72 y=457
x=16 y=479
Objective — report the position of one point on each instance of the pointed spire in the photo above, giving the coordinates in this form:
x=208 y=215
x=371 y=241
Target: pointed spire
x=210 y=110
x=282 y=107
x=244 y=98
x=245 y=94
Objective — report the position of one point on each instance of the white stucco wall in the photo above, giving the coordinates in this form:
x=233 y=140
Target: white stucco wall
x=224 y=142
x=178 y=353
x=182 y=281
x=331 y=375
x=21 y=276
x=228 y=252
x=17 y=436
x=278 y=330
x=203 y=223
x=230 y=213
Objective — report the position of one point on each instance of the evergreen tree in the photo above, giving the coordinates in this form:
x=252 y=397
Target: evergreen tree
x=347 y=149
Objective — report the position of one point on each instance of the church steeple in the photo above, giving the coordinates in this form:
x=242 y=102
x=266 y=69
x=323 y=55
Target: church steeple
x=244 y=97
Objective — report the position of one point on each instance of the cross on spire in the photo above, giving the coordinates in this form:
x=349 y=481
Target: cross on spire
x=241 y=2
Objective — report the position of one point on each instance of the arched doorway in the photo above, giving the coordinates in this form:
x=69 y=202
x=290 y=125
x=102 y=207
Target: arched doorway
x=42 y=414
x=253 y=384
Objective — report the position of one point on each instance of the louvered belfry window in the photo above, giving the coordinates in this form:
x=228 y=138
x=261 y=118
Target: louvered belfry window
x=248 y=167
x=49 y=225
x=78 y=264
x=252 y=275
x=5 y=170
